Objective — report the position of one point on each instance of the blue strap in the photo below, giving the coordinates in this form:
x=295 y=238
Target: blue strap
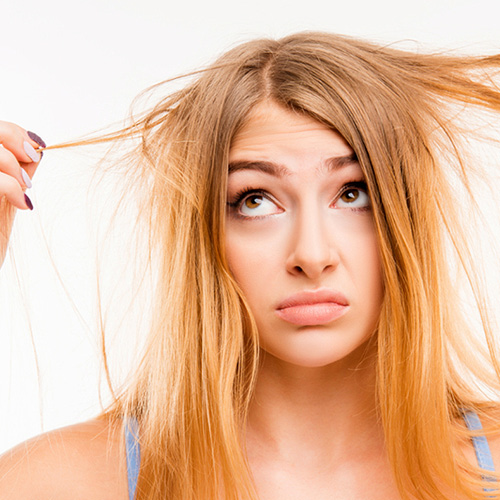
x=480 y=443
x=133 y=451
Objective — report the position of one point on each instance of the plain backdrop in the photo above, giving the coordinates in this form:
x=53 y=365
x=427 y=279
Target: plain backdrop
x=69 y=68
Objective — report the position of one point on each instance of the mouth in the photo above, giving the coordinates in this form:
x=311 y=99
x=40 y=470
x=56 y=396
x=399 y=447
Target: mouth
x=313 y=307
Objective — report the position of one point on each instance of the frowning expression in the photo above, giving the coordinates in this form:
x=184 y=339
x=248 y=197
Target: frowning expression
x=300 y=238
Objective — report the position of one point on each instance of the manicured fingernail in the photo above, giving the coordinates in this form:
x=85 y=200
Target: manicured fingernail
x=30 y=151
x=37 y=139
x=28 y=202
x=26 y=178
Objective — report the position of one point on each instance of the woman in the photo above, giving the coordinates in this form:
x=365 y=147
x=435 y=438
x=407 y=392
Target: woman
x=306 y=341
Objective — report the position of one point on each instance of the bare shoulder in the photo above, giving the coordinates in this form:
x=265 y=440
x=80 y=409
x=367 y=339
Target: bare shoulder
x=82 y=461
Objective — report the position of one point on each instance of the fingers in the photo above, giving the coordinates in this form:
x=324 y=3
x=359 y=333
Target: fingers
x=10 y=166
x=19 y=143
x=10 y=188
x=18 y=162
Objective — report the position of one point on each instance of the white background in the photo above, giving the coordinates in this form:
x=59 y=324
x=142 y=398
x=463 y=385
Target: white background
x=69 y=68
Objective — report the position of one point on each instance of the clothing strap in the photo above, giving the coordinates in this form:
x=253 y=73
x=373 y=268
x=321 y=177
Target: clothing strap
x=133 y=451
x=480 y=443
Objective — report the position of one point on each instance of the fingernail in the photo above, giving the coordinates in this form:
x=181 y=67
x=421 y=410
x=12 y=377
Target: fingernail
x=30 y=151
x=28 y=202
x=26 y=178
x=37 y=139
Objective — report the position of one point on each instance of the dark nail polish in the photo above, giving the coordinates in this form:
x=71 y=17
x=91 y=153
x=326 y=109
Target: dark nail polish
x=28 y=202
x=37 y=139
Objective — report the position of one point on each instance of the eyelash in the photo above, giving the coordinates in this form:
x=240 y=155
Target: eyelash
x=243 y=193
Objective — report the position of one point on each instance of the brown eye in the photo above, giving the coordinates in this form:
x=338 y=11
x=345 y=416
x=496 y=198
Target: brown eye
x=353 y=197
x=350 y=196
x=253 y=201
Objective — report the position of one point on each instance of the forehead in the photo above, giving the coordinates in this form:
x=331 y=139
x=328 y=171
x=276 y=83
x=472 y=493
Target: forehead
x=271 y=130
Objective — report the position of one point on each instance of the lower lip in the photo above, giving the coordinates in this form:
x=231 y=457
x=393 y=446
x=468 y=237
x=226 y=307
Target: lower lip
x=312 y=314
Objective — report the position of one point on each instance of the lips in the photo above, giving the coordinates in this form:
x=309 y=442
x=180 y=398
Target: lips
x=313 y=307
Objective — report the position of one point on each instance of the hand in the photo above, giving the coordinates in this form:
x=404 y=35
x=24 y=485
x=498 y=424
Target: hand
x=18 y=162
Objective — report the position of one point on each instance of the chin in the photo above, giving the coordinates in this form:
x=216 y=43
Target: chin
x=318 y=354
x=317 y=359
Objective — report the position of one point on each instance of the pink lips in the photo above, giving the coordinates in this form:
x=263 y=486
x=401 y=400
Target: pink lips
x=313 y=307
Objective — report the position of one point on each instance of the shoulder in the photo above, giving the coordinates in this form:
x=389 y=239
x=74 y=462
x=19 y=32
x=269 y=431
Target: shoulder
x=85 y=460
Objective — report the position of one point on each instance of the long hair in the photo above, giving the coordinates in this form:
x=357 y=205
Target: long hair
x=395 y=109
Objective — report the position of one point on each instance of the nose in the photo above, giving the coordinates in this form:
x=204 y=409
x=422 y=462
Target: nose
x=312 y=248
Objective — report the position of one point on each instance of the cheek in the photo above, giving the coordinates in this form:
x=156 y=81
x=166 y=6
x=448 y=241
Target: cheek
x=366 y=268
x=357 y=243
x=252 y=259
x=255 y=256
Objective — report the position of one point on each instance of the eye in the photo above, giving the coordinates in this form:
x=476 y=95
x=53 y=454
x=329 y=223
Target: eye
x=353 y=195
x=250 y=203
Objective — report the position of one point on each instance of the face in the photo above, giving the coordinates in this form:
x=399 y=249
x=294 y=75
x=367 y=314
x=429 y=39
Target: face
x=300 y=238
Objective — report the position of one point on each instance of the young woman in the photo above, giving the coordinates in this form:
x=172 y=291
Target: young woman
x=308 y=339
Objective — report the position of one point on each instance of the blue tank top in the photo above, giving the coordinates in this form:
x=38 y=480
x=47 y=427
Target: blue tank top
x=480 y=443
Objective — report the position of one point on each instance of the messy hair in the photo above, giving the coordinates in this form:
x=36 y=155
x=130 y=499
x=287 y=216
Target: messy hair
x=395 y=109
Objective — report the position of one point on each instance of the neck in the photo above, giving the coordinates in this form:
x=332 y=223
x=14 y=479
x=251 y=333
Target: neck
x=322 y=411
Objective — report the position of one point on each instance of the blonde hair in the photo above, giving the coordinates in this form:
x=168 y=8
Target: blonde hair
x=395 y=109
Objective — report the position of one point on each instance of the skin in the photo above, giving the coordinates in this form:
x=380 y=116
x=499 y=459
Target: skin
x=302 y=236
x=312 y=429
x=82 y=461
x=314 y=408
x=13 y=157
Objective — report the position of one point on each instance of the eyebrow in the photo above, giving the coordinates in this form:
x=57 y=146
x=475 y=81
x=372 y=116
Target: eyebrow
x=275 y=169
